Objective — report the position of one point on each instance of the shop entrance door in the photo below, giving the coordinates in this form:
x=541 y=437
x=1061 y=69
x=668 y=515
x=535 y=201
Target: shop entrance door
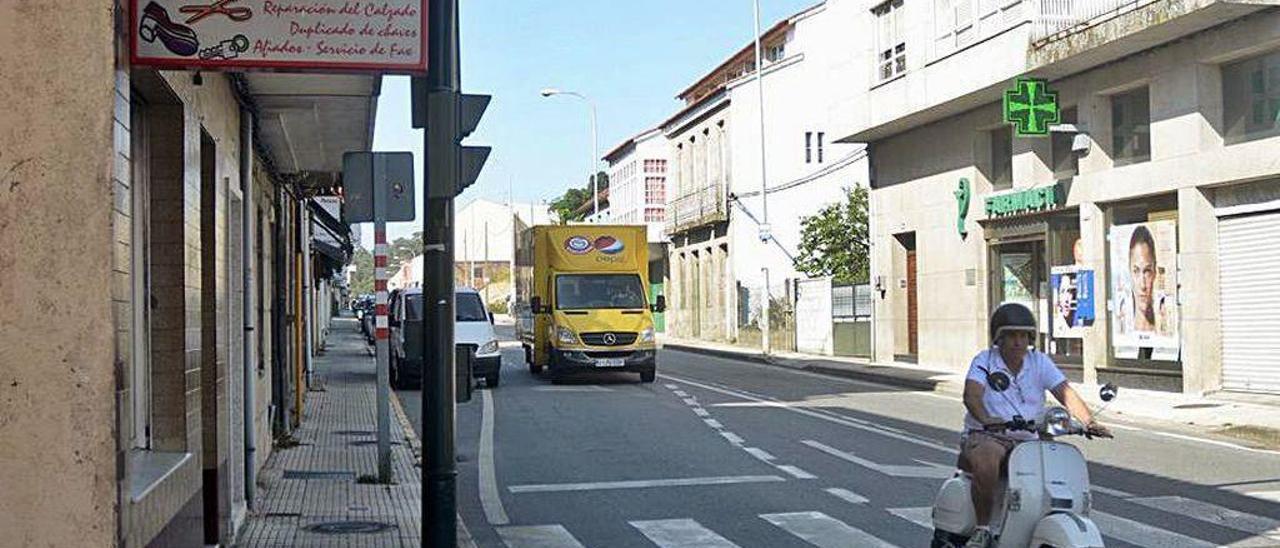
x=1020 y=277
x=913 y=325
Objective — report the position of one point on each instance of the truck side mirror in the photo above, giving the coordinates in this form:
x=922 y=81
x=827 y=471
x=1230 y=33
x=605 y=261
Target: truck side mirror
x=535 y=305
x=661 y=304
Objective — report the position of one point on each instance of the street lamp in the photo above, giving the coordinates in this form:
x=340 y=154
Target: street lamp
x=595 y=147
x=765 y=233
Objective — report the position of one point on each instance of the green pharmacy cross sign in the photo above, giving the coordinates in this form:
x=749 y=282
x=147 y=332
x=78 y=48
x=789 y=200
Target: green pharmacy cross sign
x=1031 y=107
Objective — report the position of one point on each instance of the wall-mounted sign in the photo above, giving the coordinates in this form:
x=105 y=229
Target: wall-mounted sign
x=1026 y=201
x=1031 y=107
x=303 y=35
x=963 y=193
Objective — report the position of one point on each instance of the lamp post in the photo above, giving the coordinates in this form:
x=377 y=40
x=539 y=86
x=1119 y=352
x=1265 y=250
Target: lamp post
x=595 y=147
x=765 y=234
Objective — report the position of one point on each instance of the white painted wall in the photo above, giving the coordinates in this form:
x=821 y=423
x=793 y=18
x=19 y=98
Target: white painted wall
x=800 y=92
x=627 y=183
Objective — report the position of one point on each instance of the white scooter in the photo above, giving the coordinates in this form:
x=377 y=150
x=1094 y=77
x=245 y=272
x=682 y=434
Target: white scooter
x=1046 y=500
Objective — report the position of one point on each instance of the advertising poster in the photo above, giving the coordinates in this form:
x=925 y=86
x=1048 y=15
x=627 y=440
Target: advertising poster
x=1144 y=285
x=1072 y=301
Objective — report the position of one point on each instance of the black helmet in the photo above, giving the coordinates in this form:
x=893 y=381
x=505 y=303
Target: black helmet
x=1011 y=317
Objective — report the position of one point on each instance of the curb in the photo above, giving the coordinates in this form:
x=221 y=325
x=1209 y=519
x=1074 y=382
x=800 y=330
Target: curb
x=869 y=376
x=415 y=446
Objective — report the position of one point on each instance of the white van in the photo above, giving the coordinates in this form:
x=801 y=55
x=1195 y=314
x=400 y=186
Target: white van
x=473 y=326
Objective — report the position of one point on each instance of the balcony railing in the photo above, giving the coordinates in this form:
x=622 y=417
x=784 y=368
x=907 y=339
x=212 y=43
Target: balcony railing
x=1055 y=16
x=700 y=207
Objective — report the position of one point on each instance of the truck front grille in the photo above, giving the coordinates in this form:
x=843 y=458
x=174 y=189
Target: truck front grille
x=618 y=338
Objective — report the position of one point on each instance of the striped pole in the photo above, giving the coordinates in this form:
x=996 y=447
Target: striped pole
x=381 y=346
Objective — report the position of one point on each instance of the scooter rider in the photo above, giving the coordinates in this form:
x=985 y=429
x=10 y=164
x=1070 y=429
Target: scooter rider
x=985 y=445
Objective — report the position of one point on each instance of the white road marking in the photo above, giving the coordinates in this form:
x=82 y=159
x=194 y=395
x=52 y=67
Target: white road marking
x=701 y=412
x=824 y=531
x=490 y=500
x=1111 y=492
x=713 y=423
x=759 y=453
x=681 y=533
x=935 y=471
x=847 y=495
x=1273 y=496
x=796 y=471
x=691 y=401
x=681 y=393
x=919 y=515
x=538 y=536
x=640 y=484
x=1217 y=515
x=844 y=421
x=1142 y=534
x=733 y=438
x=672 y=386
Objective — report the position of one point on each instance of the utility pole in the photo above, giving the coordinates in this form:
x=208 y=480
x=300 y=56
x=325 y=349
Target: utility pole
x=448 y=117
x=765 y=233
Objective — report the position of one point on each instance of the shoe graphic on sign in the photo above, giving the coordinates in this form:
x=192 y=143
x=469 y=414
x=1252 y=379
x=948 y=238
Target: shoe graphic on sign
x=179 y=39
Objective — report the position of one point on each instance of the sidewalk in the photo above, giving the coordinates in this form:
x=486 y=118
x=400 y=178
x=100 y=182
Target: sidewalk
x=1249 y=420
x=314 y=493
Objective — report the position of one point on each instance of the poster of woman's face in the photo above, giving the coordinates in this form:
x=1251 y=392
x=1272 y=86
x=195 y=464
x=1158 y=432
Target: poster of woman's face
x=1144 y=284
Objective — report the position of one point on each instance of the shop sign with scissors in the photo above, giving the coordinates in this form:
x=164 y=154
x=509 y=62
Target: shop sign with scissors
x=301 y=35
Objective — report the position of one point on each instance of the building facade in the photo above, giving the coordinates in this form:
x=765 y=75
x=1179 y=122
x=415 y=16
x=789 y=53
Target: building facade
x=155 y=226
x=1135 y=230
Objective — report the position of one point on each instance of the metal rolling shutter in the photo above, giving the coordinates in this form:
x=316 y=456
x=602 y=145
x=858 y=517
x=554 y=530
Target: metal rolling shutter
x=1249 y=268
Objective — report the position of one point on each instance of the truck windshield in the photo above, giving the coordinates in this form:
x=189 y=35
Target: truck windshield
x=595 y=291
x=467 y=308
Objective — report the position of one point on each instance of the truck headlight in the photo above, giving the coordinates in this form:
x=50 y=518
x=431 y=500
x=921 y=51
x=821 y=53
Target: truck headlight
x=646 y=336
x=490 y=347
x=566 y=336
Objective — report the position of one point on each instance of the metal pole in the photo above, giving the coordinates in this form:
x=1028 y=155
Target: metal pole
x=308 y=288
x=595 y=159
x=382 y=348
x=765 y=234
x=439 y=491
x=248 y=237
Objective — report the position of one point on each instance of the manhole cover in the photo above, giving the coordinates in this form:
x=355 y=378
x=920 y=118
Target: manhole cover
x=354 y=432
x=349 y=527
x=319 y=474
x=371 y=442
x=1197 y=406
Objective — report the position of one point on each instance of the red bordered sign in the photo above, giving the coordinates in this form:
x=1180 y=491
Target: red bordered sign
x=299 y=35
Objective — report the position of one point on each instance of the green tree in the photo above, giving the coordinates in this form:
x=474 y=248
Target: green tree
x=403 y=250
x=362 y=278
x=573 y=198
x=835 y=242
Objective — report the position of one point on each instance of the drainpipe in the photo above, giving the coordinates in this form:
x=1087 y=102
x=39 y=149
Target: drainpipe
x=308 y=298
x=250 y=317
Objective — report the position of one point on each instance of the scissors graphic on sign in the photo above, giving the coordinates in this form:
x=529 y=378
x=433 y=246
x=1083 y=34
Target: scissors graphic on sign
x=218 y=7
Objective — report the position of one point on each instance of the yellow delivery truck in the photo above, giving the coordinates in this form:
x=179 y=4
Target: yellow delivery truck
x=582 y=301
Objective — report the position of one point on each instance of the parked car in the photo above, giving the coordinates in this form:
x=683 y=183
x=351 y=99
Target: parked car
x=473 y=326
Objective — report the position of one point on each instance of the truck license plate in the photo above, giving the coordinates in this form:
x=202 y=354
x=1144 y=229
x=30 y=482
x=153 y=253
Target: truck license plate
x=609 y=362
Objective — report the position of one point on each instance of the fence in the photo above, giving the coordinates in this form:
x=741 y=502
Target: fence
x=1054 y=16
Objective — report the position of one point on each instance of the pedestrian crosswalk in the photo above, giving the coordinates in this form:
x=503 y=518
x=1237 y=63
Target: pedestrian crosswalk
x=819 y=529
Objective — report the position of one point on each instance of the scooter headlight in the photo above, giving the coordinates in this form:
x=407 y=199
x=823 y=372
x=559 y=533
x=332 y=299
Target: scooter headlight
x=566 y=336
x=1056 y=421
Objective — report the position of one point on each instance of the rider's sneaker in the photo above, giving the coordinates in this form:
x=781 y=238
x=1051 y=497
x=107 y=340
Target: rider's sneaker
x=981 y=538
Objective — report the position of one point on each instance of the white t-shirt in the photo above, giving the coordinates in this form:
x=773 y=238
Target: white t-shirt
x=1025 y=395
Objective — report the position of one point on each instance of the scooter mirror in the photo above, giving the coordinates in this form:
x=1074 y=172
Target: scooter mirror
x=998 y=381
x=1108 y=392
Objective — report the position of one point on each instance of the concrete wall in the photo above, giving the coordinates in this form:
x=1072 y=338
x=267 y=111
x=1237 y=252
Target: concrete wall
x=57 y=378
x=917 y=171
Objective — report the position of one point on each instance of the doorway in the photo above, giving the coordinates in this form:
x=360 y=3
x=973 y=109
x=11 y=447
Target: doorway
x=1020 y=277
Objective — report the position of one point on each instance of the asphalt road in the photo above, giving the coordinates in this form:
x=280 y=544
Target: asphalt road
x=722 y=453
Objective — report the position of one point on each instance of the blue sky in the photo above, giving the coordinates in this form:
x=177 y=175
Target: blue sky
x=630 y=56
